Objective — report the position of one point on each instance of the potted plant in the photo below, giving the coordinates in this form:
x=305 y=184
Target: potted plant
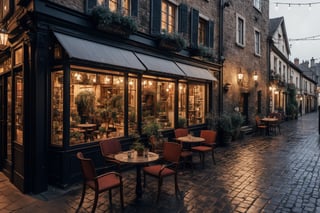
x=225 y=128
x=85 y=104
x=236 y=121
x=114 y=23
x=171 y=41
x=182 y=122
x=138 y=146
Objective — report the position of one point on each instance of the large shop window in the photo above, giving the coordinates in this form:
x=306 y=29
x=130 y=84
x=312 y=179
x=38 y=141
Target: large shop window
x=96 y=106
x=182 y=105
x=196 y=107
x=158 y=101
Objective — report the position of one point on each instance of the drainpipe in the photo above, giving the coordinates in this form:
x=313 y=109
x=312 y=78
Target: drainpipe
x=221 y=56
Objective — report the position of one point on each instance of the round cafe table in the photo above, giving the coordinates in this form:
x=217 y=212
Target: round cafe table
x=190 y=140
x=138 y=161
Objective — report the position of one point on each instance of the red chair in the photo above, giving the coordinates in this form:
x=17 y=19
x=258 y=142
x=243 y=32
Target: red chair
x=171 y=156
x=260 y=126
x=108 y=149
x=186 y=154
x=101 y=183
x=206 y=146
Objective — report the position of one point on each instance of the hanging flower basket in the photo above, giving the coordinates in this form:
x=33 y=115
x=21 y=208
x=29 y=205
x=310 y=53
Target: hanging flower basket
x=171 y=42
x=113 y=23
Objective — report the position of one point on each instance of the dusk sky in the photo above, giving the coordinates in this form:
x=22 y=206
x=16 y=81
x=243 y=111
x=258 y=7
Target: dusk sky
x=302 y=21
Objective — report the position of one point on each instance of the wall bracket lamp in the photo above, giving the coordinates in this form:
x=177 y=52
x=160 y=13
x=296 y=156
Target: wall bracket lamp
x=240 y=77
x=3 y=38
x=255 y=78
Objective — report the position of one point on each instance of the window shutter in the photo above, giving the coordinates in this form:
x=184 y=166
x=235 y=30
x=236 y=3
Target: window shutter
x=90 y=4
x=194 y=28
x=134 y=7
x=155 y=17
x=210 y=34
x=183 y=18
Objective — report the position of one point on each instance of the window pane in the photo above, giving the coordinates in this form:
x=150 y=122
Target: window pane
x=202 y=32
x=182 y=104
x=113 y=5
x=196 y=108
x=168 y=16
x=132 y=105
x=57 y=108
x=126 y=7
x=96 y=107
x=158 y=102
x=19 y=108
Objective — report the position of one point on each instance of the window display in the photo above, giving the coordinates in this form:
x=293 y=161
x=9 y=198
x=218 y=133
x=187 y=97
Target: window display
x=57 y=108
x=196 y=110
x=19 y=108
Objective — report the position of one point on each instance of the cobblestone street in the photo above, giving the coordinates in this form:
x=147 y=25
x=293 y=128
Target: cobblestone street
x=257 y=174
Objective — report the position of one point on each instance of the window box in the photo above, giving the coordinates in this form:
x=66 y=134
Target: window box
x=113 y=23
x=203 y=51
x=171 y=41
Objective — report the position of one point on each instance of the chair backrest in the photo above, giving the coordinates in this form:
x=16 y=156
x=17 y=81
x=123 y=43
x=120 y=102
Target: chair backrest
x=171 y=151
x=87 y=167
x=180 y=132
x=258 y=122
x=110 y=146
x=209 y=136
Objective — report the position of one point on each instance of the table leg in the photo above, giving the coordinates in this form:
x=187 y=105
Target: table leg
x=138 y=184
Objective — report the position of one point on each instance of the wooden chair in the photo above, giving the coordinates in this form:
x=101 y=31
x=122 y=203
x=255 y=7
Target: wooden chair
x=259 y=125
x=171 y=156
x=186 y=154
x=108 y=149
x=101 y=183
x=206 y=146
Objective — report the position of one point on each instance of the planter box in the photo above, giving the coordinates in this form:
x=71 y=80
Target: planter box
x=115 y=29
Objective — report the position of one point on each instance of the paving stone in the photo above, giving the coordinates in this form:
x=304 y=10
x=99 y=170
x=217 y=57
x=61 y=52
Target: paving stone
x=260 y=174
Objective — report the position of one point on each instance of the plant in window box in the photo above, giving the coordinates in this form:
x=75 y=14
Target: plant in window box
x=171 y=41
x=202 y=51
x=114 y=23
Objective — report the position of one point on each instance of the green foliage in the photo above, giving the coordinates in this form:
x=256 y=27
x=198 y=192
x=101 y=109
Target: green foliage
x=150 y=128
x=292 y=105
x=85 y=102
x=225 y=123
x=236 y=119
x=182 y=122
x=103 y=18
x=175 y=39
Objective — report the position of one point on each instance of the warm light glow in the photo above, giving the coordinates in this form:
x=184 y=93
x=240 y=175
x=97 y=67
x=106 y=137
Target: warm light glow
x=255 y=76
x=3 y=37
x=240 y=76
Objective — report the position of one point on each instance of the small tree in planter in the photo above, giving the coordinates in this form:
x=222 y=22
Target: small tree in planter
x=236 y=121
x=225 y=128
x=85 y=104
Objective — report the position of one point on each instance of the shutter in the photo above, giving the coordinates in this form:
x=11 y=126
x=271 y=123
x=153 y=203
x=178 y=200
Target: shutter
x=183 y=18
x=90 y=4
x=134 y=7
x=194 y=28
x=210 y=34
x=155 y=17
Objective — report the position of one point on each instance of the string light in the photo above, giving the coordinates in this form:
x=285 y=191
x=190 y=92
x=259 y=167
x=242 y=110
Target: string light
x=277 y=4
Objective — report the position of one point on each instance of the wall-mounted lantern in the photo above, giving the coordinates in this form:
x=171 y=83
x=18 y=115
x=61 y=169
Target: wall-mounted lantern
x=240 y=77
x=3 y=38
x=255 y=78
x=226 y=87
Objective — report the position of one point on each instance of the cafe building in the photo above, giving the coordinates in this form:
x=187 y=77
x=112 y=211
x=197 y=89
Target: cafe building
x=66 y=83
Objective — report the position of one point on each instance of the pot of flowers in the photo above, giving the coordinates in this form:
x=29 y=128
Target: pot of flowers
x=138 y=147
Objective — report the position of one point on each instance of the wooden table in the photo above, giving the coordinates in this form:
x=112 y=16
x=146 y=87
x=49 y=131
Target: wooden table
x=190 y=140
x=138 y=161
x=88 y=128
x=267 y=121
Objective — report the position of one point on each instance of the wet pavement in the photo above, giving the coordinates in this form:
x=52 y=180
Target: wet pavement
x=257 y=174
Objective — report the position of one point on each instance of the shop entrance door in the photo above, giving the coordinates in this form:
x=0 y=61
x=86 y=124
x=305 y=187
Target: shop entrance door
x=6 y=125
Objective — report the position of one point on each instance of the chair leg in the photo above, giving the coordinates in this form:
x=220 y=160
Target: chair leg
x=144 y=179
x=121 y=197
x=176 y=187
x=159 y=188
x=82 y=196
x=110 y=197
x=96 y=196
x=213 y=159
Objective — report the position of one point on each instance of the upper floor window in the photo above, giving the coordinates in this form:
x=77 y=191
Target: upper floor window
x=202 y=31
x=168 y=16
x=122 y=6
x=257 y=4
x=4 y=8
x=240 y=30
x=257 y=44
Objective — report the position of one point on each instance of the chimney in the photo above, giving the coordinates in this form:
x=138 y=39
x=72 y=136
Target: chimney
x=296 y=61
x=312 y=62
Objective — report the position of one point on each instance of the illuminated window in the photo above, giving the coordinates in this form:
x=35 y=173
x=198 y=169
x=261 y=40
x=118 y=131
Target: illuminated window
x=168 y=16
x=122 y=6
x=202 y=32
